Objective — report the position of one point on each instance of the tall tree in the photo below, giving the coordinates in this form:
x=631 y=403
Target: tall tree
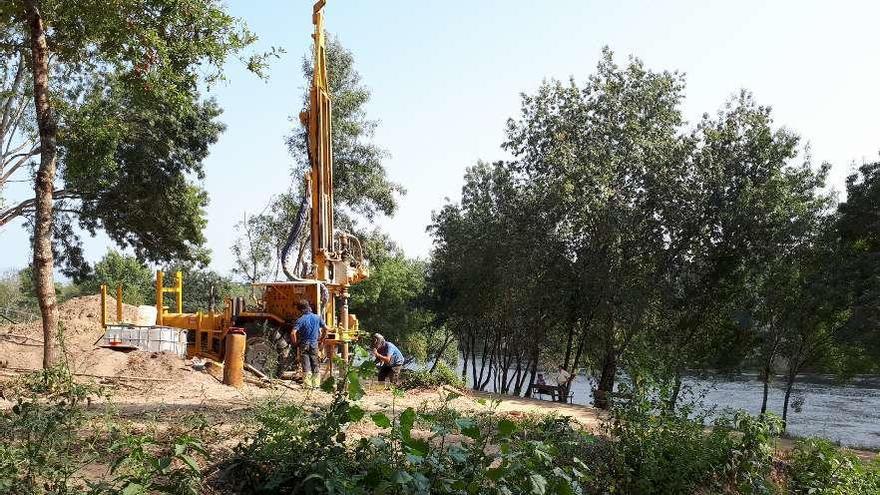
x=607 y=156
x=155 y=48
x=748 y=200
x=389 y=302
x=858 y=256
x=360 y=181
x=361 y=186
x=495 y=279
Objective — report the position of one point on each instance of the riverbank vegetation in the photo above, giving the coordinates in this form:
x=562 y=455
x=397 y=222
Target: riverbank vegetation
x=67 y=437
x=622 y=241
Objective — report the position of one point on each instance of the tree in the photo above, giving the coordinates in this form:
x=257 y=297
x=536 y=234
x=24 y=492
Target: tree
x=255 y=249
x=157 y=49
x=607 y=157
x=116 y=269
x=858 y=256
x=389 y=301
x=495 y=279
x=360 y=182
x=203 y=289
x=748 y=200
x=621 y=240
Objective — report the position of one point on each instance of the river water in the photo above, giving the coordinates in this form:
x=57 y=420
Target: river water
x=847 y=413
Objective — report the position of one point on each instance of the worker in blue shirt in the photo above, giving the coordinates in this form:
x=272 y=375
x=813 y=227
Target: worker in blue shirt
x=307 y=334
x=388 y=357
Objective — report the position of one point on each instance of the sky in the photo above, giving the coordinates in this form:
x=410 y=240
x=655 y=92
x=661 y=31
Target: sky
x=446 y=75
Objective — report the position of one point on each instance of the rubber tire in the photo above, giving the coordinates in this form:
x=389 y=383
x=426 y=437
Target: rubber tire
x=261 y=354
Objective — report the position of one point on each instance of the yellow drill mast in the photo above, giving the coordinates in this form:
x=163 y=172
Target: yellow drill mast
x=337 y=259
x=317 y=119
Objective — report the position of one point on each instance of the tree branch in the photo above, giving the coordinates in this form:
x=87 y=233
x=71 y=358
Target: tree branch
x=16 y=84
x=27 y=206
x=22 y=159
x=16 y=121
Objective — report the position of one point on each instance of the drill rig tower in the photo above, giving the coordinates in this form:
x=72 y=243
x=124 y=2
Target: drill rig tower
x=336 y=259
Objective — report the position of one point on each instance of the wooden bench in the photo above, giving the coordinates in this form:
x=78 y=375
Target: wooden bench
x=553 y=391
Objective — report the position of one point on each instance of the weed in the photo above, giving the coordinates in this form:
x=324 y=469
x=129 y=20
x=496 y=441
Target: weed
x=441 y=375
x=819 y=467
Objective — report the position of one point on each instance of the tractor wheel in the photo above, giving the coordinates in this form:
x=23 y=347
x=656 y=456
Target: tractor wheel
x=261 y=354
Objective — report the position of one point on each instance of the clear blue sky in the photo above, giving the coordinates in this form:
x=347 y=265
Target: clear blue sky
x=445 y=76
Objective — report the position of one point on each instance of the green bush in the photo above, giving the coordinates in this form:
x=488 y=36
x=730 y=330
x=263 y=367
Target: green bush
x=821 y=468
x=40 y=451
x=296 y=451
x=443 y=374
x=48 y=437
x=660 y=451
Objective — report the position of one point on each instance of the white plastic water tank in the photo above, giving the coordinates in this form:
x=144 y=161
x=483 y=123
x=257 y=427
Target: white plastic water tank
x=146 y=315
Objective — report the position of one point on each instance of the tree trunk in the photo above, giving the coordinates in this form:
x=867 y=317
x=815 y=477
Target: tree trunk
x=533 y=372
x=568 y=345
x=464 y=365
x=788 y=386
x=44 y=184
x=765 y=377
x=601 y=398
x=447 y=339
x=676 y=390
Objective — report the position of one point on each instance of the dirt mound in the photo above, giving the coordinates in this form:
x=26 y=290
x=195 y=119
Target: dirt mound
x=80 y=324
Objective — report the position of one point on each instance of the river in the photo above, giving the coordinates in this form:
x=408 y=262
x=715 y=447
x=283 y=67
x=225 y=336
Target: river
x=847 y=413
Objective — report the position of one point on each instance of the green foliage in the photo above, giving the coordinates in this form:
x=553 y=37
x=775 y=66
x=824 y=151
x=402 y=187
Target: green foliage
x=49 y=437
x=257 y=247
x=144 y=466
x=360 y=181
x=132 y=127
x=204 y=289
x=389 y=301
x=661 y=450
x=618 y=238
x=18 y=297
x=821 y=468
x=114 y=269
x=424 y=378
x=751 y=459
x=298 y=452
x=40 y=447
x=17 y=300
x=857 y=225
x=130 y=157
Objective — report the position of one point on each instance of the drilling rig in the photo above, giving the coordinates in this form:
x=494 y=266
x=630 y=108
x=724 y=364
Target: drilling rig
x=325 y=265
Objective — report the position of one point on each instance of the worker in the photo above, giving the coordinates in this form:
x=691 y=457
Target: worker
x=563 y=377
x=563 y=382
x=307 y=334
x=388 y=357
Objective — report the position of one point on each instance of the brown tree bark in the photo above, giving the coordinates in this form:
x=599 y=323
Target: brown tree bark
x=602 y=394
x=44 y=263
x=788 y=386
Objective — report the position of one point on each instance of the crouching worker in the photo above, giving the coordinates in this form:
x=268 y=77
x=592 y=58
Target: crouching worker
x=307 y=334
x=388 y=357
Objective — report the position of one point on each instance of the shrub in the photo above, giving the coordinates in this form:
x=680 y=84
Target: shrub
x=295 y=451
x=821 y=468
x=443 y=374
x=49 y=437
x=663 y=451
